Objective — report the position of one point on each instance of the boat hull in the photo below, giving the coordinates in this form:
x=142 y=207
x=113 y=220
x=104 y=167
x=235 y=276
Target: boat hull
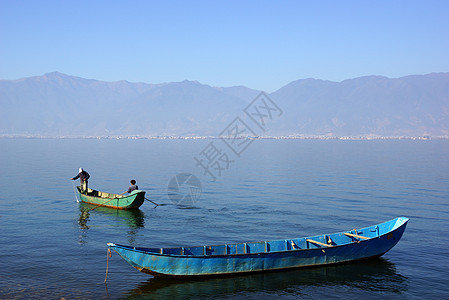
x=132 y=201
x=266 y=256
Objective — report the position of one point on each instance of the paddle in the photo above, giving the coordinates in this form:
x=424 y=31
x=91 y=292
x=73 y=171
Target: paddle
x=98 y=205
x=151 y=201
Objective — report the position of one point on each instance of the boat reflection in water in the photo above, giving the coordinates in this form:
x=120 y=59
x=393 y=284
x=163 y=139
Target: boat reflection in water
x=132 y=218
x=375 y=275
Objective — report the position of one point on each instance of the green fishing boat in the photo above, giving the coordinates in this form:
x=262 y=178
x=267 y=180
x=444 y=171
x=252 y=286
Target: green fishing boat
x=131 y=201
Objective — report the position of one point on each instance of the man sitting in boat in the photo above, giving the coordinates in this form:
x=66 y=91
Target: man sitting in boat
x=132 y=187
x=83 y=176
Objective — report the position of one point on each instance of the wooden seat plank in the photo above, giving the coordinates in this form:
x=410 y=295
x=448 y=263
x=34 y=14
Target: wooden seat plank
x=356 y=236
x=318 y=243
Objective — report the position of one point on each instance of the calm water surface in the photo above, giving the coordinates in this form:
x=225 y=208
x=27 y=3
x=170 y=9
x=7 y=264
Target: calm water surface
x=54 y=247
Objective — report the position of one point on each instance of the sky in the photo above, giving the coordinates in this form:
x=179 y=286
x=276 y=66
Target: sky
x=263 y=45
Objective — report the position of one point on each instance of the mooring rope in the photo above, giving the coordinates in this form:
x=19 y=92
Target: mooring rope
x=108 y=254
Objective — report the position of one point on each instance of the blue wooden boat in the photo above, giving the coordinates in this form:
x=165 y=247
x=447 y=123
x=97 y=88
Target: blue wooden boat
x=356 y=244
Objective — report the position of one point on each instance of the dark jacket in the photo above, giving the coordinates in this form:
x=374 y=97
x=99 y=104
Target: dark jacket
x=132 y=188
x=83 y=176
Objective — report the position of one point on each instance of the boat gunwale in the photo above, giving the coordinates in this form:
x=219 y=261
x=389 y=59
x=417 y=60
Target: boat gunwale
x=393 y=229
x=133 y=194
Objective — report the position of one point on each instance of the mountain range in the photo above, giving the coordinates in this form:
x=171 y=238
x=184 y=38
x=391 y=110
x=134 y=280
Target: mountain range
x=59 y=105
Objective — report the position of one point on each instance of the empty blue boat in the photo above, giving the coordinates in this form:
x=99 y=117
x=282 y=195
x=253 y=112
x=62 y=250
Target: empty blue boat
x=355 y=244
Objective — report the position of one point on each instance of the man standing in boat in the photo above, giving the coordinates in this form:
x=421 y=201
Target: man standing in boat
x=83 y=176
x=132 y=187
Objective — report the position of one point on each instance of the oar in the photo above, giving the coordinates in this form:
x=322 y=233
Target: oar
x=98 y=205
x=151 y=201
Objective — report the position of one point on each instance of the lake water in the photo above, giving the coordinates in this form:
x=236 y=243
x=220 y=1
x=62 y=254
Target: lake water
x=53 y=247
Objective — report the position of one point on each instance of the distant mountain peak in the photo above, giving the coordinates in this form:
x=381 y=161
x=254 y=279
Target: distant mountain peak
x=191 y=81
x=62 y=78
x=55 y=74
x=187 y=82
x=58 y=75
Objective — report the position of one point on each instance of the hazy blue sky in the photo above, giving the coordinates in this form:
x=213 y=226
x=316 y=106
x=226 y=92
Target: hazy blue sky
x=259 y=44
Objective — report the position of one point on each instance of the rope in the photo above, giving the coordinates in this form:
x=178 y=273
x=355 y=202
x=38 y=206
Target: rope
x=108 y=254
x=74 y=190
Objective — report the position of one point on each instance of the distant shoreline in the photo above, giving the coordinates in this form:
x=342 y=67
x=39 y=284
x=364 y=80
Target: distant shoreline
x=299 y=137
